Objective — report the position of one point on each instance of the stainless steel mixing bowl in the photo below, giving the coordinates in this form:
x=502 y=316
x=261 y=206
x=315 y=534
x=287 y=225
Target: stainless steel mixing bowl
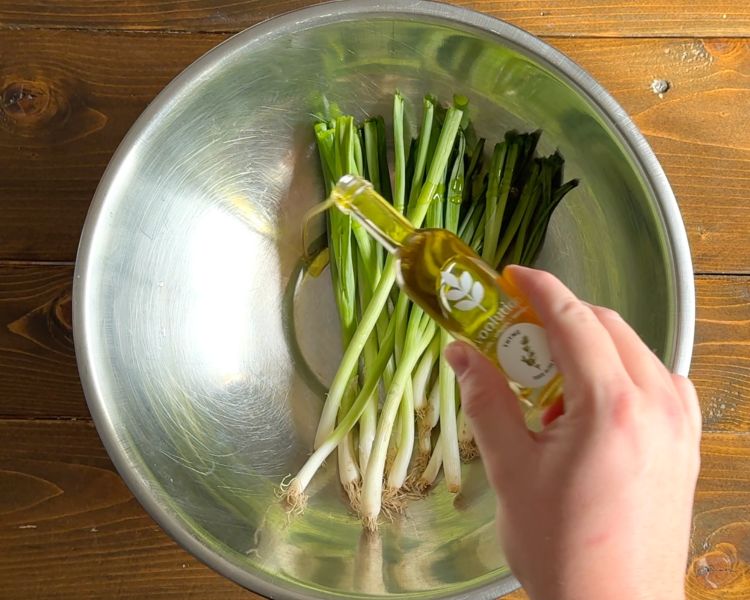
x=203 y=352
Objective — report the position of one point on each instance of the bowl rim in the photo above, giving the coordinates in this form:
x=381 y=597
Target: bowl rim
x=314 y=16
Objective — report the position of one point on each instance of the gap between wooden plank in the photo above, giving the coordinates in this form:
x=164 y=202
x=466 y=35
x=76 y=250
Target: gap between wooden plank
x=70 y=263
x=69 y=515
x=87 y=102
x=617 y=18
x=231 y=32
x=41 y=381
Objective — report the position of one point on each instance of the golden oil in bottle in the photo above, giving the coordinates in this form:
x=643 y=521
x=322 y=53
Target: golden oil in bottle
x=447 y=279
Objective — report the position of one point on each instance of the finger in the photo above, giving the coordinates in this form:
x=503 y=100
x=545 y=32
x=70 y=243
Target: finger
x=689 y=396
x=493 y=411
x=643 y=366
x=581 y=347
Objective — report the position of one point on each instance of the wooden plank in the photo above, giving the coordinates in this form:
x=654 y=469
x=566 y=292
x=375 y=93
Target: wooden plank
x=70 y=528
x=37 y=360
x=39 y=375
x=67 y=515
x=78 y=104
x=619 y=18
x=721 y=362
x=698 y=130
x=66 y=101
x=33 y=228
x=145 y=15
x=720 y=547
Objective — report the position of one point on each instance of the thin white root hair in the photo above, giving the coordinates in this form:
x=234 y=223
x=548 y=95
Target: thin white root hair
x=419 y=464
x=393 y=503
x=354 y=493
x=293 y=498
x=283 y=486
x=422 y=487
x=468 y=451
x=370 y=524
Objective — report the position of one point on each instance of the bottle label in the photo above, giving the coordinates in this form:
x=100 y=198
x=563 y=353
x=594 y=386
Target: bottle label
x=471 y=298
x=523 y=353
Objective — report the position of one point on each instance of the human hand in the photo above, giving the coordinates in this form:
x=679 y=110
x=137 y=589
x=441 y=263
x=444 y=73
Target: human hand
x=597 y=505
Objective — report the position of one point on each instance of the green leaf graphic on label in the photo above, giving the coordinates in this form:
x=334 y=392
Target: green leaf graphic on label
x=529 y=356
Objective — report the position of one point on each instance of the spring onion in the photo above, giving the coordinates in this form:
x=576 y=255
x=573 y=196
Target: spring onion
x=392 y=410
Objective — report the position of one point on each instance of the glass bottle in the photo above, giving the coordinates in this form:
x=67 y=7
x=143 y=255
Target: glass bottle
x=448 y=280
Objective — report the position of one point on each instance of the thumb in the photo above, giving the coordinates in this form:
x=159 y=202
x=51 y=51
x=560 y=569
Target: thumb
x=493 y=411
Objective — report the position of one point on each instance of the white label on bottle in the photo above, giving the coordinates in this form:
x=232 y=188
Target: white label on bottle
x=523 y=353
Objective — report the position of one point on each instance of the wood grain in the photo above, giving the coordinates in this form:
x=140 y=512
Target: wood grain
x=67 y=514
x=721 y=364
x=70 y=529
x=75 y=75
x=698 y=130
x=67 y=98
x=618 y=18
x=42 y=221
x=144 y=15
x=720 y=546
x=66 y=101
x=39 y=375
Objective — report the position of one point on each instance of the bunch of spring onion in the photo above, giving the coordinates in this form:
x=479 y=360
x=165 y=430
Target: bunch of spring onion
x=393 y=411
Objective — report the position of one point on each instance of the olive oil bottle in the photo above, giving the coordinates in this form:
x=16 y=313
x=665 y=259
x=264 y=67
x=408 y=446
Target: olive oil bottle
x=448 y=280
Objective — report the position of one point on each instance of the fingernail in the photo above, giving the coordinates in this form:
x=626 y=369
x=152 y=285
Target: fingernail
x=458 y=357
x=510 y=275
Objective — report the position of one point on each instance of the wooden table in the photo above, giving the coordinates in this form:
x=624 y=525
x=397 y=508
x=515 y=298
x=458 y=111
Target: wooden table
x=74 y=76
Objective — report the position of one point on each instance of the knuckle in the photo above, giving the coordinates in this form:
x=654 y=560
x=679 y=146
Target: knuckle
x=571 y=309
x=607 y=313
x=479 y=389
x=624 y=403
x=474 y=401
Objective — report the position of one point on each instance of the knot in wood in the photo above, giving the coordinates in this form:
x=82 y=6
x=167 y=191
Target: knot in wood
x=27 y=101
x=719 y=568
x=63 y=311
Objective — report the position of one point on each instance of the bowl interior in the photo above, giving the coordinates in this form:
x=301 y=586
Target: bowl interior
x=205 y=351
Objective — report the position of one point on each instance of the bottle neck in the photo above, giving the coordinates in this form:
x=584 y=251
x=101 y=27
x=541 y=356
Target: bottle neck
x=356 y=197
